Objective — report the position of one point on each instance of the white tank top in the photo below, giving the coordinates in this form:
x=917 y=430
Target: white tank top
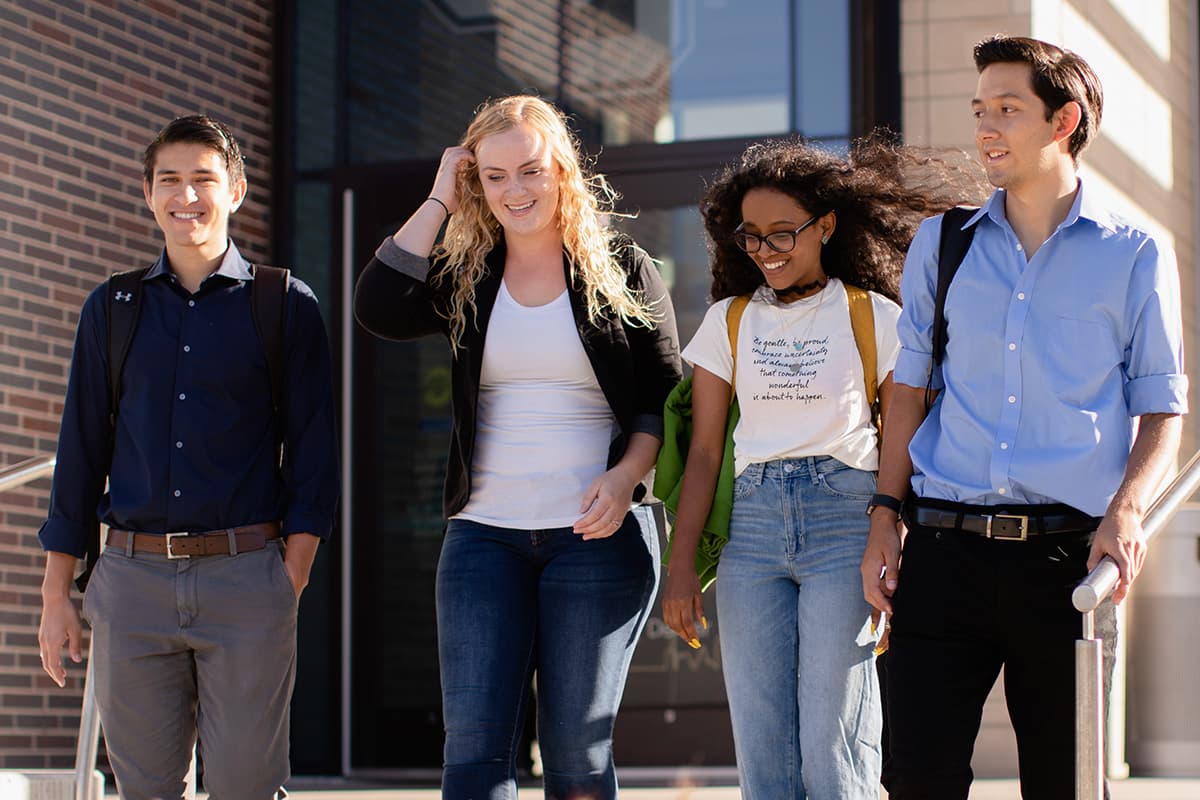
x=543 y=424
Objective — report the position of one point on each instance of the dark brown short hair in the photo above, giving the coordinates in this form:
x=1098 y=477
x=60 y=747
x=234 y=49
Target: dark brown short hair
x=197 y=129
x=1059 y=76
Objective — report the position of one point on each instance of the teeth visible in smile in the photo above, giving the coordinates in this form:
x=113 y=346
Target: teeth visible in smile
x=774 y=264
x=521 y=208
x=186 y=215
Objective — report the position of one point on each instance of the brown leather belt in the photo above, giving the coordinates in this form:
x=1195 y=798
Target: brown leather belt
x=186 y=544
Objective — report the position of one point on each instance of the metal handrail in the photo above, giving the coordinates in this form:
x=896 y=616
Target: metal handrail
x=88 y=743
x=1087 y=596
x=25 y=471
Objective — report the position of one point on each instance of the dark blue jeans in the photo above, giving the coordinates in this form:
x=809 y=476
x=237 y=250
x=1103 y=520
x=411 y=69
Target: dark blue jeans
x=512 y=604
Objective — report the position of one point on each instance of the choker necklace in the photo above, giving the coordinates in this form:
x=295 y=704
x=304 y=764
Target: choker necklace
x=793 y=293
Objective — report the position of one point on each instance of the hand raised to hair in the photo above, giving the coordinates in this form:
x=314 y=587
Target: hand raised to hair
x=445 y=183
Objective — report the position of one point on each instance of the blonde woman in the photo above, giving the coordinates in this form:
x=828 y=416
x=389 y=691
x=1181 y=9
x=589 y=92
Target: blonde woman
x=549 y=566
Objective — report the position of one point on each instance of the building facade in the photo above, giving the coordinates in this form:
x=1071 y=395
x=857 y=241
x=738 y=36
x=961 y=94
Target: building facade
x=343 y=108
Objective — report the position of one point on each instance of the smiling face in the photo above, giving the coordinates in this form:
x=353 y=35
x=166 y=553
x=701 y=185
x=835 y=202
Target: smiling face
x=1016 y=143
x=520 y=181
x=191 y=197
x=767 y=211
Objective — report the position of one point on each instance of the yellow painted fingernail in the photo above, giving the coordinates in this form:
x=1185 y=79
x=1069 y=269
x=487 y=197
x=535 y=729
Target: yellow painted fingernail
x=873 y=629
x=694 y=643
x=880 y=650
x=704 y=621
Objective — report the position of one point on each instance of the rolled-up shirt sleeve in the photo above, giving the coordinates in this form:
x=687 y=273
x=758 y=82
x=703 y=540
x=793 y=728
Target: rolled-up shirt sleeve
x=84 y=439
x=1154 y=365
x=393 y=299
x=918 y=289
x=311 y=473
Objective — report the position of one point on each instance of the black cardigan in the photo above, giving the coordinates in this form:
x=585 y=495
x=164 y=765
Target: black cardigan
x=636 y=367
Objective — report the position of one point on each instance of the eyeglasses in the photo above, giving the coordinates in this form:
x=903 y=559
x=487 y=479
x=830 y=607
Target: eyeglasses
x=780 y=241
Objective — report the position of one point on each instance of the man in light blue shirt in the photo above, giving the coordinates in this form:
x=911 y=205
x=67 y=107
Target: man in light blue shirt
x=1055 y=412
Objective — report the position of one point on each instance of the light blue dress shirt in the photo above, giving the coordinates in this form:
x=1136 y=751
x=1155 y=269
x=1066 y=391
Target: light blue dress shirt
x=1048 y=360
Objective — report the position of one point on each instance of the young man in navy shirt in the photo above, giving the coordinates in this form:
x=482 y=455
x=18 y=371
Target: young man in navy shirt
x=209 y=538
x=1056 y=412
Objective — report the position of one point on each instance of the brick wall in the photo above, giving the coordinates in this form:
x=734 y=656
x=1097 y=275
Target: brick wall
x=84 y=85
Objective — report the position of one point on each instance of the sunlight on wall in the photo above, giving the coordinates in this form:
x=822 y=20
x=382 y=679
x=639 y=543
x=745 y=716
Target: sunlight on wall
x=1152 y=20
x=1112 y=197
x=1137 y=119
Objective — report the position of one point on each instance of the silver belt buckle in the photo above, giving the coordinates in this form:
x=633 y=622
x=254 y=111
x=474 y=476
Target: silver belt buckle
x=1022 y=526
x=172 y=536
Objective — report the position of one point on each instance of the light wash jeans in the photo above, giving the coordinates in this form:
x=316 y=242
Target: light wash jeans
x=515 y=603
x=796 y=646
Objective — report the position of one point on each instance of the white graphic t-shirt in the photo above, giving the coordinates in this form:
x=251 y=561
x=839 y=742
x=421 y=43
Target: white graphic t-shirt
x=800 y=380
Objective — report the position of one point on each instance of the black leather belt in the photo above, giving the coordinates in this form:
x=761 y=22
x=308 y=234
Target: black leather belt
x=1003 y=526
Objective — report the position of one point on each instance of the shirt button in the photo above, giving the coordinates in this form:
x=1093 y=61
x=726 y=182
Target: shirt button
x=191 y=303
x=1020 y=249
x=1012 y=398
x=187 y=348
x=1020 y=295
x=1000 y=490
x=177 y=493
x=183 y=396
x=1012 y=345
x=179 y=444
x=1004 y=445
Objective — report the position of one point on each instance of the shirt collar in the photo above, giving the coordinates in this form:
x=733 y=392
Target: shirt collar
x=1087 y=206
x=1084 y=206
x=232 y=266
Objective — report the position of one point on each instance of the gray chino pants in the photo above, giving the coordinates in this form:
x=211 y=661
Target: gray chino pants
x=194 y=647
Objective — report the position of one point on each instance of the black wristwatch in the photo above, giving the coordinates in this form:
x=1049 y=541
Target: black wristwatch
x=885 y=500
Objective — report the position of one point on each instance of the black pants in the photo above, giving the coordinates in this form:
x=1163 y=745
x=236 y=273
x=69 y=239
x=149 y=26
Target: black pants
x=966 y=606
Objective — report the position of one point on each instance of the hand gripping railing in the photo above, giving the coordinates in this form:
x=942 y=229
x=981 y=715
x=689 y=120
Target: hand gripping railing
x=1091 y=591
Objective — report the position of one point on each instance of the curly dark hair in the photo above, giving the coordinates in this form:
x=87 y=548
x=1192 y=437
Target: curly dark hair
x=880 y=191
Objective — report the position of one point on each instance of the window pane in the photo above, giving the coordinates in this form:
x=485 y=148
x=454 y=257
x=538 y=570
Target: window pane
x=316 y=88
x=823 y=68
x=629 y=71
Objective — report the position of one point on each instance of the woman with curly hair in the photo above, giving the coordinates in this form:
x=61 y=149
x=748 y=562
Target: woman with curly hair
x=549 y=565
x=792 y=226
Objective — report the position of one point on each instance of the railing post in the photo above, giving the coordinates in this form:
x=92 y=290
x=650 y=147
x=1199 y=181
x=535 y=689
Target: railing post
x=1089 y=714
x=89 y=737
x=1091 y=591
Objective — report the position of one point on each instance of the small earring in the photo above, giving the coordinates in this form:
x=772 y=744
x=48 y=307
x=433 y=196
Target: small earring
x=825 y=239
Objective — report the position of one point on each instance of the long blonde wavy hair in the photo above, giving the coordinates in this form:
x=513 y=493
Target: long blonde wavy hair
x=584 y=198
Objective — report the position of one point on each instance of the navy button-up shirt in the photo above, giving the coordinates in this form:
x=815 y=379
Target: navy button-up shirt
x=196 y=441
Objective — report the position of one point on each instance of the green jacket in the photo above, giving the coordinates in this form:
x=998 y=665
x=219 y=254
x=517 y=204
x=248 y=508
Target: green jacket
x=668 y=478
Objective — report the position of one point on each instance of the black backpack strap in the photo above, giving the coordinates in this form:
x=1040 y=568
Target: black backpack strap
x=952 y=249
x=124 y=305
x=124 y=290
x=268 y=304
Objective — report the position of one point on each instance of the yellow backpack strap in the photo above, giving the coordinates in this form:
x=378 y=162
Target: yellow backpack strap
x=733 y=321
x=862 y=322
